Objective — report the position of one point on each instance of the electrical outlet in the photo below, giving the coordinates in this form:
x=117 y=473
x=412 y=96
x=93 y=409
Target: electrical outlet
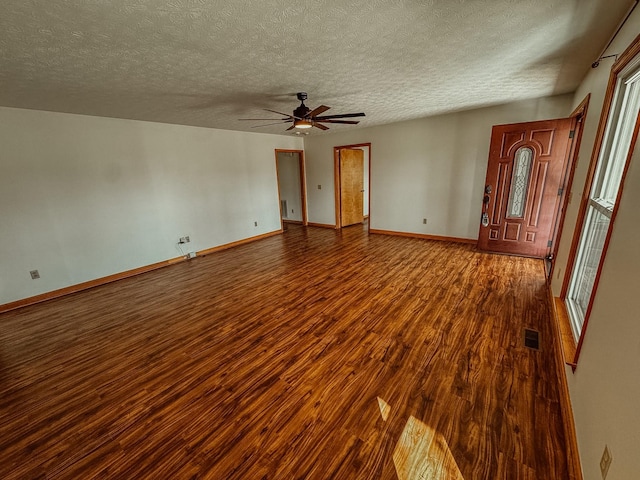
x=191 y=255
x=605 y=462
x=319 y=187
x=184 y=239
x=34 y=274
x=255 y=224
x=424 y=220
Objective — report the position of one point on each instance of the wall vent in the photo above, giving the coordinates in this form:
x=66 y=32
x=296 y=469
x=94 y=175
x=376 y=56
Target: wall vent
x=531 y=339
x=283 y=208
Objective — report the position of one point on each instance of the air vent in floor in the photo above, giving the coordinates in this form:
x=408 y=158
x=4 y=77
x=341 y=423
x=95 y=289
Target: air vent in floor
x=531 y=339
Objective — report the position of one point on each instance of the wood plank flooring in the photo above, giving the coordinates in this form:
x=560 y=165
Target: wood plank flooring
x=311 y=355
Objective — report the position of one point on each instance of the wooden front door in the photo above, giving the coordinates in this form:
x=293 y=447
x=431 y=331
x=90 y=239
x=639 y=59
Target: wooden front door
x=525 y=175
x=351 y=186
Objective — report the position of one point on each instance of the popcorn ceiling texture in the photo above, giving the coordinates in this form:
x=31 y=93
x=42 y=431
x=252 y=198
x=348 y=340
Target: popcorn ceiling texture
x=209 y=62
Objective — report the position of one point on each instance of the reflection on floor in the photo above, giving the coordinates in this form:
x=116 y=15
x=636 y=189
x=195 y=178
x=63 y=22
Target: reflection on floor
x=384 y=408
x=421 y=453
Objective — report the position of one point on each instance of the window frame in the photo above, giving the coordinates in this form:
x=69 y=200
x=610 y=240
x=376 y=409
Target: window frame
x=596 y=182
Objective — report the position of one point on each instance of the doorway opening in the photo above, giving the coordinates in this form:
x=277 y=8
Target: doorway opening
x=352 y=166
x=291 y=187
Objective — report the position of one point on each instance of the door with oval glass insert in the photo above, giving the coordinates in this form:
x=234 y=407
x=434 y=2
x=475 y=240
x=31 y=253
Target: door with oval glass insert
x=523 y=188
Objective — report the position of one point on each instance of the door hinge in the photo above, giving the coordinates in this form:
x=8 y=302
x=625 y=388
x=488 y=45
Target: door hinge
x=572 y=133
x=560 y=191
x=549 y=243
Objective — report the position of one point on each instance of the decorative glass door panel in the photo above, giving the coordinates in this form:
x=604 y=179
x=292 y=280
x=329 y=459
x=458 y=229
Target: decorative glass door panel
x=520 y=182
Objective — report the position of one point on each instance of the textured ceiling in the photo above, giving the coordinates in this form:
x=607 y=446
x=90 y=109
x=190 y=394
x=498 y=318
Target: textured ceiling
x=210 y=62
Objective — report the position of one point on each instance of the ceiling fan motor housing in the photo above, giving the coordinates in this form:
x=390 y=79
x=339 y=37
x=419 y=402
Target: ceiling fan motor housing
x=302 y=110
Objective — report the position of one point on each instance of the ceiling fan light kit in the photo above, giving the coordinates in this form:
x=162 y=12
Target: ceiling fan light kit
x=304 y=118
x=302 y=123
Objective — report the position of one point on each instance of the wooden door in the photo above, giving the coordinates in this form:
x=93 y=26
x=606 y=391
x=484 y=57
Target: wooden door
x=523 y=187
x=351 y=186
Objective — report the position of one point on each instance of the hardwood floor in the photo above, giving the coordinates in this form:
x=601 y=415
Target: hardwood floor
x=311 y=355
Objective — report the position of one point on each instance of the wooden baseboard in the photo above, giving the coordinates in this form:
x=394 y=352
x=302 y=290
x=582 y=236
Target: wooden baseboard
x=321 y=225
x=226 y=246
x=43 y=297
x=573 y=454
x=423 y=236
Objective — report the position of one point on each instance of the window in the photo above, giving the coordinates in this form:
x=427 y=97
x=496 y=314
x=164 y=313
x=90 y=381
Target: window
x=520 y=182
x=603 y=194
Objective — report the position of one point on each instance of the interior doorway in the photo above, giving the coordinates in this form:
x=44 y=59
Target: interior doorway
x=351 y=183
x=291 y=186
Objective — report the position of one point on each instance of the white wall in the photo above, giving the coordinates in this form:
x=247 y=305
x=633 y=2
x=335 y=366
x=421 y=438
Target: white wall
x=431 y=167
x=605 y=388
x=85 y=197
x=289 y=184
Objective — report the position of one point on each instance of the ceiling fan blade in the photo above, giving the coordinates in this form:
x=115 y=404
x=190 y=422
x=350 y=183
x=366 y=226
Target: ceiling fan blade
x=290 y=128
x=280 y=113
x=320 y=126
x=274 y=119
x=318 y=111
x=345 y=115
x=349 y=122
x=269 y=124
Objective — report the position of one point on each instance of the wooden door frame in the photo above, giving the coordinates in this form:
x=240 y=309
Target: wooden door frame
x=578 y=116
x=303 y=185
x=337 y=182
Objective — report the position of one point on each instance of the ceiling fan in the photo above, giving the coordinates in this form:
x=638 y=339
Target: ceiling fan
x=304 y=117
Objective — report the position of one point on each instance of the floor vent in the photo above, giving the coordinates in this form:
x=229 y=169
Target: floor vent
x=531 y=339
